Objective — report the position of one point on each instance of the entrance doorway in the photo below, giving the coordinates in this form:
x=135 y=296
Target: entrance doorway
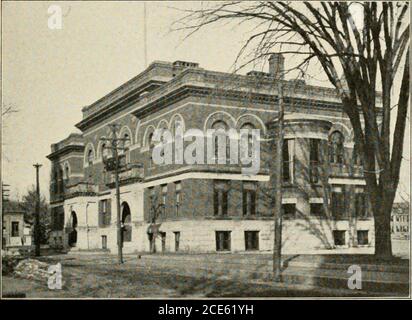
x=163 y=235
x=73 y=231
x=127 y=223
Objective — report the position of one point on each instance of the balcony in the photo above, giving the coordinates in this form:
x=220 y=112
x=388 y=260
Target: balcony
x=132 y=173
x=80 y=189
x=335 y=170
x=344 y=170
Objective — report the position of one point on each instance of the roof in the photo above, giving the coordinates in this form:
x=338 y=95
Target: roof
x=13 y=207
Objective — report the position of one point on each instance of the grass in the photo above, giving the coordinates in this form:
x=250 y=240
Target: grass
x=100 y=277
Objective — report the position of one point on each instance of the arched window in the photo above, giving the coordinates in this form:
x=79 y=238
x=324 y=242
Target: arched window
x=148 y=136
x=151 y=146
x=90 y=157
x=66 y=172
x=175 y=123
x=336 y=149
x=61 y=180
x=124 y=143
x=104 y=151
x=150 y=139
x=220 y=137
x=55 y=180
x=249 y=127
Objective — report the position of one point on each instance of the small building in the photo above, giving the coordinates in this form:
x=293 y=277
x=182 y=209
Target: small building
x=16 y=231
x=400 y=221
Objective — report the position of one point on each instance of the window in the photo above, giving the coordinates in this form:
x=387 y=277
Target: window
x=285 y=155
x=57 y=215
x=90 y=157
x=151 y=146
x=360 y=206
x=163 y=235
x=15 y=229
x=314 y=158
x=178 y=189
x=289 y=211
x=104 y=242
x=317 y=210
x=220 y=199
x=126 y=141
x=339 y=237
x=177 y=240
x=336 y=150
x=66 y=172
x=223 y=240
x=55 y=181
x=105 y=151
x=105 y=212
x=221 y=141
x=164 y=198
x=249 y=127
x=60 y=182
x=363 y=237
x=177 y=126
x=152 y=204
x=124 y=147
x=249 y=199
x=338 y=205
x=251 y=240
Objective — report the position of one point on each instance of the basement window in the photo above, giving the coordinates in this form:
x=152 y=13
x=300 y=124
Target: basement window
x=289 y=211
x=316 y=209
x=251 y=240
x=223 y=240
x=339 y=237
x=363 y=237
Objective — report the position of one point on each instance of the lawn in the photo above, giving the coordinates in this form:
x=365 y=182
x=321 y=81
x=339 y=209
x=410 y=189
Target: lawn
x=101 y=277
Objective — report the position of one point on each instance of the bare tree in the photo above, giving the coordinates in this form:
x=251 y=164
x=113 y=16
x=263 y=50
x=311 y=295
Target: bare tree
x=8 y=109
x=371 y=52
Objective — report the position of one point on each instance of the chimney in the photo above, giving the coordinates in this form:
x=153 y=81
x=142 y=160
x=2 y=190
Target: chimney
x=276 y=65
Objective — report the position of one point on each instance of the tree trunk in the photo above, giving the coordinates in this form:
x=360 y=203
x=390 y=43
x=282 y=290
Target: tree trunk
x=382 y=216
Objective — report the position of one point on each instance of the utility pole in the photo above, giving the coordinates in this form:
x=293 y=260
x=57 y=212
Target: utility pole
x=114 y=146
x=277 y=252
x=37 y=215
x=4 y=199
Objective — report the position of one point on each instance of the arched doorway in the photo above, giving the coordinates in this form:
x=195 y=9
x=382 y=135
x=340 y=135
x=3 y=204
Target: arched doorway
x=73 y=231
x=126 y=223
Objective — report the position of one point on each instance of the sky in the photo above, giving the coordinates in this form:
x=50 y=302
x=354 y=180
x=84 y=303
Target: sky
x=49 y=75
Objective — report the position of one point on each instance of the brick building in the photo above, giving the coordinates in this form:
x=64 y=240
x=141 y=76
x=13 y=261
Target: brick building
x=206 y=207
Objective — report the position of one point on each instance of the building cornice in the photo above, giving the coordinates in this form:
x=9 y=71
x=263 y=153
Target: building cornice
x=199 y=82
x=65 y=150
